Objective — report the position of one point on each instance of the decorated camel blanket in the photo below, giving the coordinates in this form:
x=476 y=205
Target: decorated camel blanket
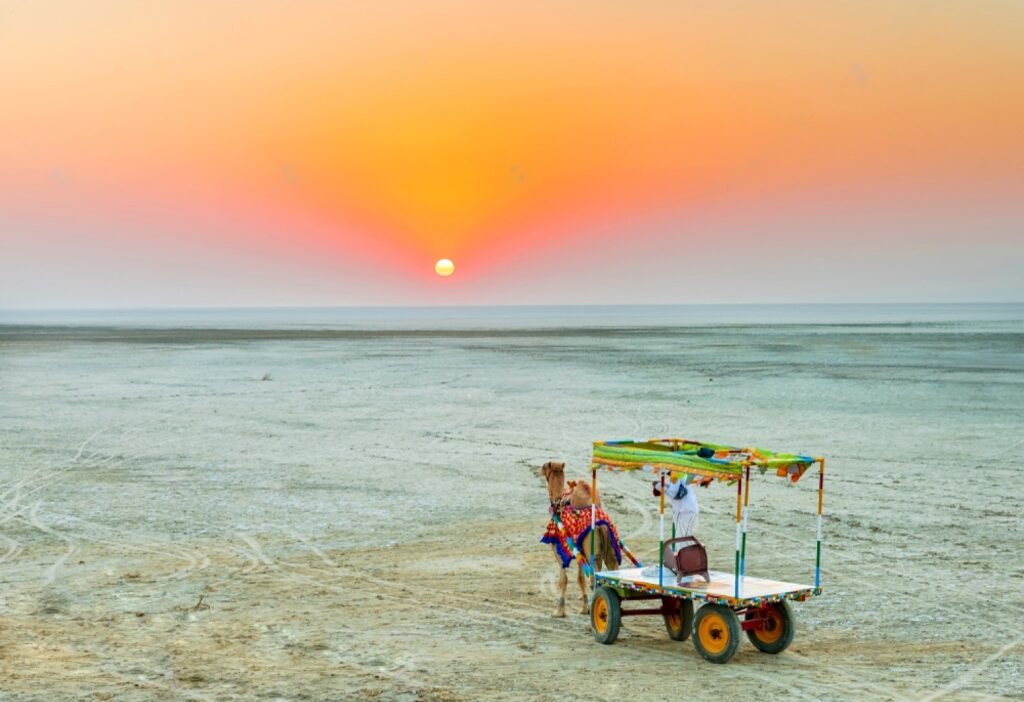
x=576 y=521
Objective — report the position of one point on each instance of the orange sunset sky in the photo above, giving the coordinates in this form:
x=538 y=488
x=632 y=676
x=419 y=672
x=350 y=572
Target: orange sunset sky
x=328 y=153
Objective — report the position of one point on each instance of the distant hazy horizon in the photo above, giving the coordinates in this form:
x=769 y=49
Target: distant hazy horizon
x=523 y=316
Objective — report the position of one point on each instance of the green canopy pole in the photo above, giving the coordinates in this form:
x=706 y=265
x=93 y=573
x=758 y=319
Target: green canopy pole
x=821 y=502
x=661 y=535
x=739 y=527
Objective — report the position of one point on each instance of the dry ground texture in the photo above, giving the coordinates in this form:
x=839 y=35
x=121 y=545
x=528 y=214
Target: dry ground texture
x=364 y=524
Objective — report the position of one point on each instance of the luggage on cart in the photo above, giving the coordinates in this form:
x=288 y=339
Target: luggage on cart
x=691 y=559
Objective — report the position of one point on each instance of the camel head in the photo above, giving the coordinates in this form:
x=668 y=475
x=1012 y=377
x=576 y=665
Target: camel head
x=554 y=475
x=581 y=495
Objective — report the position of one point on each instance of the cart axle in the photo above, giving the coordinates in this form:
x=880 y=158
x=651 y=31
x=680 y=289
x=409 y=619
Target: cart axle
x=640 y=612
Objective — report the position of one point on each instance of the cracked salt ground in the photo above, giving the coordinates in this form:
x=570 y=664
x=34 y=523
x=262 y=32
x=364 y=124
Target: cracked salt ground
x=354 y=530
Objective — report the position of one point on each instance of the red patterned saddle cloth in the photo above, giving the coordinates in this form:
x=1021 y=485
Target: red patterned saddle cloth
x=576 y=521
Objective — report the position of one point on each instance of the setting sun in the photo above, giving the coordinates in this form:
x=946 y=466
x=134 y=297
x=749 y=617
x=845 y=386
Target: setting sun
x=444 y=267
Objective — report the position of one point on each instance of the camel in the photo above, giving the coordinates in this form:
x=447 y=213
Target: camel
x=576 y=499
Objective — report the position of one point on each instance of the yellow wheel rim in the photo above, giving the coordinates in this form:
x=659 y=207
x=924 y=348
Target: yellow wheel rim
x=713 y=633
x=772 y=627
x=600 y=615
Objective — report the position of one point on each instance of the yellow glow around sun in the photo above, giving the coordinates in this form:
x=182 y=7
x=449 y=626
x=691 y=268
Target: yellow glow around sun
x=444 y=267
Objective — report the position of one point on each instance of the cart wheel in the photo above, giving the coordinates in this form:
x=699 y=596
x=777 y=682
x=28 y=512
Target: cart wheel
x=678 y=616
x=778 y=629
x=716 y=633
x=605 y=615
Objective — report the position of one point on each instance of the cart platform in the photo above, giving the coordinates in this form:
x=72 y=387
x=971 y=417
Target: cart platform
x=634 y=582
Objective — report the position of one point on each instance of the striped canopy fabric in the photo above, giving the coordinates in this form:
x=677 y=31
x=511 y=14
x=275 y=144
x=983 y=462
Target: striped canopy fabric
x=687 y=457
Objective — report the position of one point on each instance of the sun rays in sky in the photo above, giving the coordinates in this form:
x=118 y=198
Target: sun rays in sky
x=301 y=143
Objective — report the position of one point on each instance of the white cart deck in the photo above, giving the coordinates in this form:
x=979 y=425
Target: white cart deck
x=721 y=589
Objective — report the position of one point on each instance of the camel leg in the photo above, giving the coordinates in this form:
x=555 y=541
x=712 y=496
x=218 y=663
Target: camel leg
x=608 y=549
x=563 y=583
x=582 y=581
x=602 y=548
x=584 y=599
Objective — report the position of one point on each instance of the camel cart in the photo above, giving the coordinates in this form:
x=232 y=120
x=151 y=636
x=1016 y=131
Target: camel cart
x=729 y=603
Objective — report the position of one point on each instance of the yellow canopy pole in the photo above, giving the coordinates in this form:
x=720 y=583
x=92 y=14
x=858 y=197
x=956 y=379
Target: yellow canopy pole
x=746 y=507
x=593 y=520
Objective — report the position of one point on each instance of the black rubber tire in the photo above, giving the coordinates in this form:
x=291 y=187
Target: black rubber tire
x=782 y=616
x=680 y=623
x=724 y=629
x=605 y=615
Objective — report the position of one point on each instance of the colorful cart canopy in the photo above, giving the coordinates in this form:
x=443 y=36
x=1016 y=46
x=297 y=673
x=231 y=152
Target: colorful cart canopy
x=687 y=457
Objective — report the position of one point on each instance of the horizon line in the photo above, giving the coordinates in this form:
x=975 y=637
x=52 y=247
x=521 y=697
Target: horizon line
x=212 y=308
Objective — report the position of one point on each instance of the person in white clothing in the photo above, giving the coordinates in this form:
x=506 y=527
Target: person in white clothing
x=683 y=498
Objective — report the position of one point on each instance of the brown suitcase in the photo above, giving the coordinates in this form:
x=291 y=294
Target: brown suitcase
x=688 y=560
